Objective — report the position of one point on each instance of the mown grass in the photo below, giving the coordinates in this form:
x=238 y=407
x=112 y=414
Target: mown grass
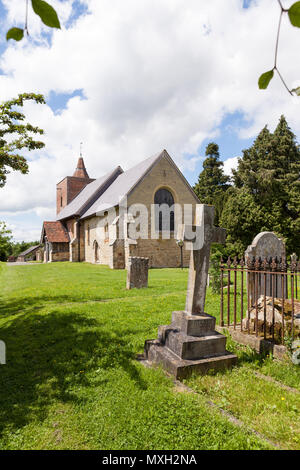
x=71 y=381
x=269 y=407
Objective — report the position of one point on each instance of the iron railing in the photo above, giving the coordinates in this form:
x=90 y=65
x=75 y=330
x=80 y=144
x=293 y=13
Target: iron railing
x=261 y=297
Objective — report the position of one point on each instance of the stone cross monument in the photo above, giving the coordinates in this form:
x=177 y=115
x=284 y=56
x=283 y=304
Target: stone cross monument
x=203 y=234
x=191 y=344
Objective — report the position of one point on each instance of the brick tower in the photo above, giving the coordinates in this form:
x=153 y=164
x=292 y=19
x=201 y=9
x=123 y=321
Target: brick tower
x=70 y=186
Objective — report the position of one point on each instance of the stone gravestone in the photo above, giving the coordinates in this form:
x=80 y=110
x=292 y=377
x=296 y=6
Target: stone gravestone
x=265 y=245
x=191 y=344
x=137 y=272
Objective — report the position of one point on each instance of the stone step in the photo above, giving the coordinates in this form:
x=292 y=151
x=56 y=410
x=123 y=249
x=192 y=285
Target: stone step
x=193 y=347
x=193 y=325
x=183 y=368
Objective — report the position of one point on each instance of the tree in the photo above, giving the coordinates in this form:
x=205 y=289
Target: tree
x=41 y=8
x=212 y=183
x=15 y=135
x=294 y=17
x=5 y=241
x=18 y=247
x=266 y=192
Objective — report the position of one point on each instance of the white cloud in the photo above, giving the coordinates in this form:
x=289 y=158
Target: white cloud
x=155 y=75
x=23 y=232
x=230 y=164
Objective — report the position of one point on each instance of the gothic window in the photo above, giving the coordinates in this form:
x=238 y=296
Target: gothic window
x=88 y=235
x=164 y=210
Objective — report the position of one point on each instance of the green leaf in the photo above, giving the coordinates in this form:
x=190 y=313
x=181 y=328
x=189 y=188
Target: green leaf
x=296 y=90
x=46 y=12
x=15 y=33
x=265 y=79
x=294 y=14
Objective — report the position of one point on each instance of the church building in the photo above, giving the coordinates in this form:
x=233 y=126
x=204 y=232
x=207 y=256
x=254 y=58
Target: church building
x=95 y=216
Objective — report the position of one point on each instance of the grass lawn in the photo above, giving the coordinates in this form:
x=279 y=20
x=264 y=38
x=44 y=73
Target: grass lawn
x=71 y=381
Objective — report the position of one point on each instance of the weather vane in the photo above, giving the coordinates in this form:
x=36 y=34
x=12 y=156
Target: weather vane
x=81 y=148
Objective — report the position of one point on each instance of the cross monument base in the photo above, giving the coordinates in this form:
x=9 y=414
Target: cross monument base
x=190 y=344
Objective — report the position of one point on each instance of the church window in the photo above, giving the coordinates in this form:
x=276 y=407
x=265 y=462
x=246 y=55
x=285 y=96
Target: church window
x=106 y=232
x=88 y=235
x=164 y=210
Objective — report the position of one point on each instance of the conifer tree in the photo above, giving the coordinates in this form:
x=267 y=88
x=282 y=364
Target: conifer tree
x=212 y=182
x=266 y=196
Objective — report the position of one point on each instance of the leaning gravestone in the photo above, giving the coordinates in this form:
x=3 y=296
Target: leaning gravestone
x=191 y=344
x=137 y=272
x=266 y=245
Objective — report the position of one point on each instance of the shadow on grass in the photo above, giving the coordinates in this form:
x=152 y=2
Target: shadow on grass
x=33 y=304
x=245 y=354
x=29 y=304
x=50 y=356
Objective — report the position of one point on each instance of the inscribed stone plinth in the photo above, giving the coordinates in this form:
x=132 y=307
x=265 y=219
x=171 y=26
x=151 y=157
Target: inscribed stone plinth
x=266 y=245
x=137 y=272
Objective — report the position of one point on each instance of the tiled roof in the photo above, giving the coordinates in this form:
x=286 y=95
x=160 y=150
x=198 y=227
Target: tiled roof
x=55 y=232
x=88 y=195
x=29 y=250
x=80 y=171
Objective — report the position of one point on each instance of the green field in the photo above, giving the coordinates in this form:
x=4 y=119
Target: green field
x=72 y=380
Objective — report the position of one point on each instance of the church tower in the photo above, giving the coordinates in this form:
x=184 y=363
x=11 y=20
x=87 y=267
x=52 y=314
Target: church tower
x=70 y=186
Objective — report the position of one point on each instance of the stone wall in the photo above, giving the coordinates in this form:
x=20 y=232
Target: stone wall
x=60 y=256
x=162 y=253
x=93 y=234
x=77 y=240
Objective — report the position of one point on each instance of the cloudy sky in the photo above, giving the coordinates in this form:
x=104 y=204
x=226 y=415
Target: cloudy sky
x=129 y=78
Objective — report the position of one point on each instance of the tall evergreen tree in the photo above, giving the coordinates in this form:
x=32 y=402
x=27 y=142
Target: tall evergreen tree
x=267 y=190
x=212 y=182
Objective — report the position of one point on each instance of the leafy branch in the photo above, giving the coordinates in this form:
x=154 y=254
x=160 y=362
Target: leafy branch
x=294 y=17
x=41 y=8
x=15 y=135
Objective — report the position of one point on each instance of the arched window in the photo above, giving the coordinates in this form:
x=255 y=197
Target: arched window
x=164 y=210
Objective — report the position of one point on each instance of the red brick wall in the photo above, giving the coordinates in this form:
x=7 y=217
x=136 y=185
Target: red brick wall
x=67 y=190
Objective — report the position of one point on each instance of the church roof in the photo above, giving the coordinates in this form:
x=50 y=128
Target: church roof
x=55 y=232
x=122 y=186
x=88 y=195
x=108 y=191
x=126 y=182
x=80 y=171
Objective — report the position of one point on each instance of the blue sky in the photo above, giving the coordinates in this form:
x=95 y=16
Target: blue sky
x=131 y=78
